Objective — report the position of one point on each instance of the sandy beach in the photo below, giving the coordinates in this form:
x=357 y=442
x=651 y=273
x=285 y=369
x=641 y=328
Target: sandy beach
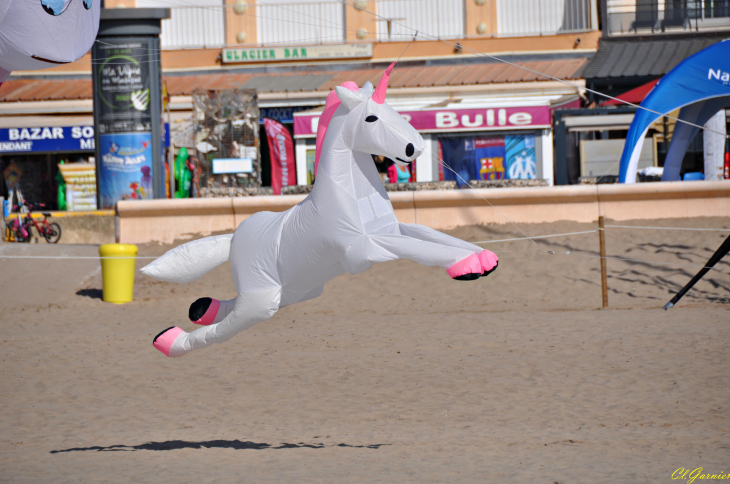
x=396 y=375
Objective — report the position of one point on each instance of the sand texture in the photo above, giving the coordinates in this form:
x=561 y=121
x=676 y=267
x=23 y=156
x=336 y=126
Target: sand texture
x=396 y=375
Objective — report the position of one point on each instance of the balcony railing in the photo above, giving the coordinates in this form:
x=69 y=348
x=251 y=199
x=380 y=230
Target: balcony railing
x=542 y=17
x=299 y=23
x=631 y=17
x=194 y=27
x=313 y=22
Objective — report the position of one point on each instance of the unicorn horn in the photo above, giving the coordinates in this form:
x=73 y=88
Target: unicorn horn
x=379 y=95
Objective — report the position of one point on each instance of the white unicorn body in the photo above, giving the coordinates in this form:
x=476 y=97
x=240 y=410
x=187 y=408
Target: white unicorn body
x=345 y=225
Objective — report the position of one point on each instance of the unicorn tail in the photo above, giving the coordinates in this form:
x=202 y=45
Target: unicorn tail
x=192 y=260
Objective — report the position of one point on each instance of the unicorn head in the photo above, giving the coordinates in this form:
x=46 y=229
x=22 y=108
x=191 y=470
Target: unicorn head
x=373 y=127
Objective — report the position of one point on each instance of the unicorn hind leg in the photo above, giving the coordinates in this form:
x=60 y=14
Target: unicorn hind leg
x=249 y=309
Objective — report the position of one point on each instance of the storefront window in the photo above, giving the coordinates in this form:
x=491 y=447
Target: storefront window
x=488 y=157
x=311 y=154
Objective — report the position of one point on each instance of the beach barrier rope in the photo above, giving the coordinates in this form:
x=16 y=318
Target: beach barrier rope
x=666 y=228
x=481 y=242
x=70 y=257
x=156 y=53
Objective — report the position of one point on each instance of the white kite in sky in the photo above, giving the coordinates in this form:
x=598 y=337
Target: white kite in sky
x=38 y=34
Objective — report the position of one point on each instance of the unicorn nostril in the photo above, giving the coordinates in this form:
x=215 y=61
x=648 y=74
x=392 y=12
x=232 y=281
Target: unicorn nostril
x=409 y=149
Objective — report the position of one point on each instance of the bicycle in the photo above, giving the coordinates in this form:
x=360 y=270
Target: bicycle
x=50 y=231
x=15 y=231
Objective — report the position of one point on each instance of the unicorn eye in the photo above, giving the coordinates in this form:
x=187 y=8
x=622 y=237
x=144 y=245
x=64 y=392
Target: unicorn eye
x=87 y=4
x=371 y=119
x=55 y=7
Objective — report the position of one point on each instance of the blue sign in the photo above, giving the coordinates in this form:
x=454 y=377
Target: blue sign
x=126 y=167
x=167 y=136
x=48 y=139
x=520 y=157
x=282 y=114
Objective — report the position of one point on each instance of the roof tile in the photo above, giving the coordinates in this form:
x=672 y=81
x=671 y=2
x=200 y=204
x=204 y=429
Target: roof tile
x=180 y=85
x=644 y=58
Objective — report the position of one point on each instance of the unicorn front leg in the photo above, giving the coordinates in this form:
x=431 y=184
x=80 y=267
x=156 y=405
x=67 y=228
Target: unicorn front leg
x=249 y=309
x=461 y=263
x=488 y=259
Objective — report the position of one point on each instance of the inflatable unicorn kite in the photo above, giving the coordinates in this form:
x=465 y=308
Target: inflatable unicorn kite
x=345 y=225
x=38 y=34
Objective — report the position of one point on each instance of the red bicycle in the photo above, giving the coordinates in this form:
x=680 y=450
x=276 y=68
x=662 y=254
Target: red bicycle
x=50 y=231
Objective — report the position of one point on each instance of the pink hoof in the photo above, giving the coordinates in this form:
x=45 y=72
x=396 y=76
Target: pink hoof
x=210 y=314
x=164 y=340
x=489 y=261
x=466 y=269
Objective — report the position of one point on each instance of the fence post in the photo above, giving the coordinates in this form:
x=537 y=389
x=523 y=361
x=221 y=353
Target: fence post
x=604 y=276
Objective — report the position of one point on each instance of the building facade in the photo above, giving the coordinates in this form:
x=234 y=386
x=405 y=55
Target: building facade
x=474 y=75
x=641 y=41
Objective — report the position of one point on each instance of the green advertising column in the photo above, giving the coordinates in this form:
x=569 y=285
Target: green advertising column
x=128 y=105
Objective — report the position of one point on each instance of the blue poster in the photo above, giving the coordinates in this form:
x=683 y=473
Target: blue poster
x=126 y=167
x=458 y=155
x=520 y=156
x=490 y=154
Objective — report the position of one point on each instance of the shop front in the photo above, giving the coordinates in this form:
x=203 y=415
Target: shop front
x=284 y=115
x=464 y=143
x=30 y=158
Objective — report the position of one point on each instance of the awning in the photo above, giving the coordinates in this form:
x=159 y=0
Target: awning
x=44 y=121
x=634 y=96
x=700 y=86
x=599 y=122
x=641 y=57
x=407 y=76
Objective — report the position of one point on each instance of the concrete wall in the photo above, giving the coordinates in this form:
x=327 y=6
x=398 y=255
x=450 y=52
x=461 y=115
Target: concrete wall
x=94 y=227
x=167 y=220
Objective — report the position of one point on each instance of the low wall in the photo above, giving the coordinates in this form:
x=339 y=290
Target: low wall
x=167 y=220
x=92 y=227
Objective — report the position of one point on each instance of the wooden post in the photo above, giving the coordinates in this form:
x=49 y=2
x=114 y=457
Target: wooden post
x=604 y=276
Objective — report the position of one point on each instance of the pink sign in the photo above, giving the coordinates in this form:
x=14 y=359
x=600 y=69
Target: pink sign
x=281 y=152
x=452 y=119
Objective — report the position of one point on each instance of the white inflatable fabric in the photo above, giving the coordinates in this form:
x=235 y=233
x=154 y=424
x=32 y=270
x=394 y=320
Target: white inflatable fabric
x=38 y=34
x=345 y=225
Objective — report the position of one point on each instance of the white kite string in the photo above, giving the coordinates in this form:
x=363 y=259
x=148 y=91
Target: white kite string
x=563 y=81
x=495 y=208
x=158 y=52
x=536 y=237
x=438 y=39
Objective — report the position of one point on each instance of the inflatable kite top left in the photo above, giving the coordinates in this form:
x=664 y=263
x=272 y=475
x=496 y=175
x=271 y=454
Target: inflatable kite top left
x=38 y=34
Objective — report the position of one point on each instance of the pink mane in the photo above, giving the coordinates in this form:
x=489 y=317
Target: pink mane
x=330 y=106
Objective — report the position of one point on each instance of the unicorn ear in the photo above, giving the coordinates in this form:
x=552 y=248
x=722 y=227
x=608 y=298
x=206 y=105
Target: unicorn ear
x=368 y=89
x=348 y=98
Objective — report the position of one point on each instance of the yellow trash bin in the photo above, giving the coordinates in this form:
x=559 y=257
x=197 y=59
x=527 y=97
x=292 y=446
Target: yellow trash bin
x=117 y=272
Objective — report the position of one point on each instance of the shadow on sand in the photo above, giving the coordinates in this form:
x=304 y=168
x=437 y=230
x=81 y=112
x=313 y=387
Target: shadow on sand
x=211 y=444
x=92 y=293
